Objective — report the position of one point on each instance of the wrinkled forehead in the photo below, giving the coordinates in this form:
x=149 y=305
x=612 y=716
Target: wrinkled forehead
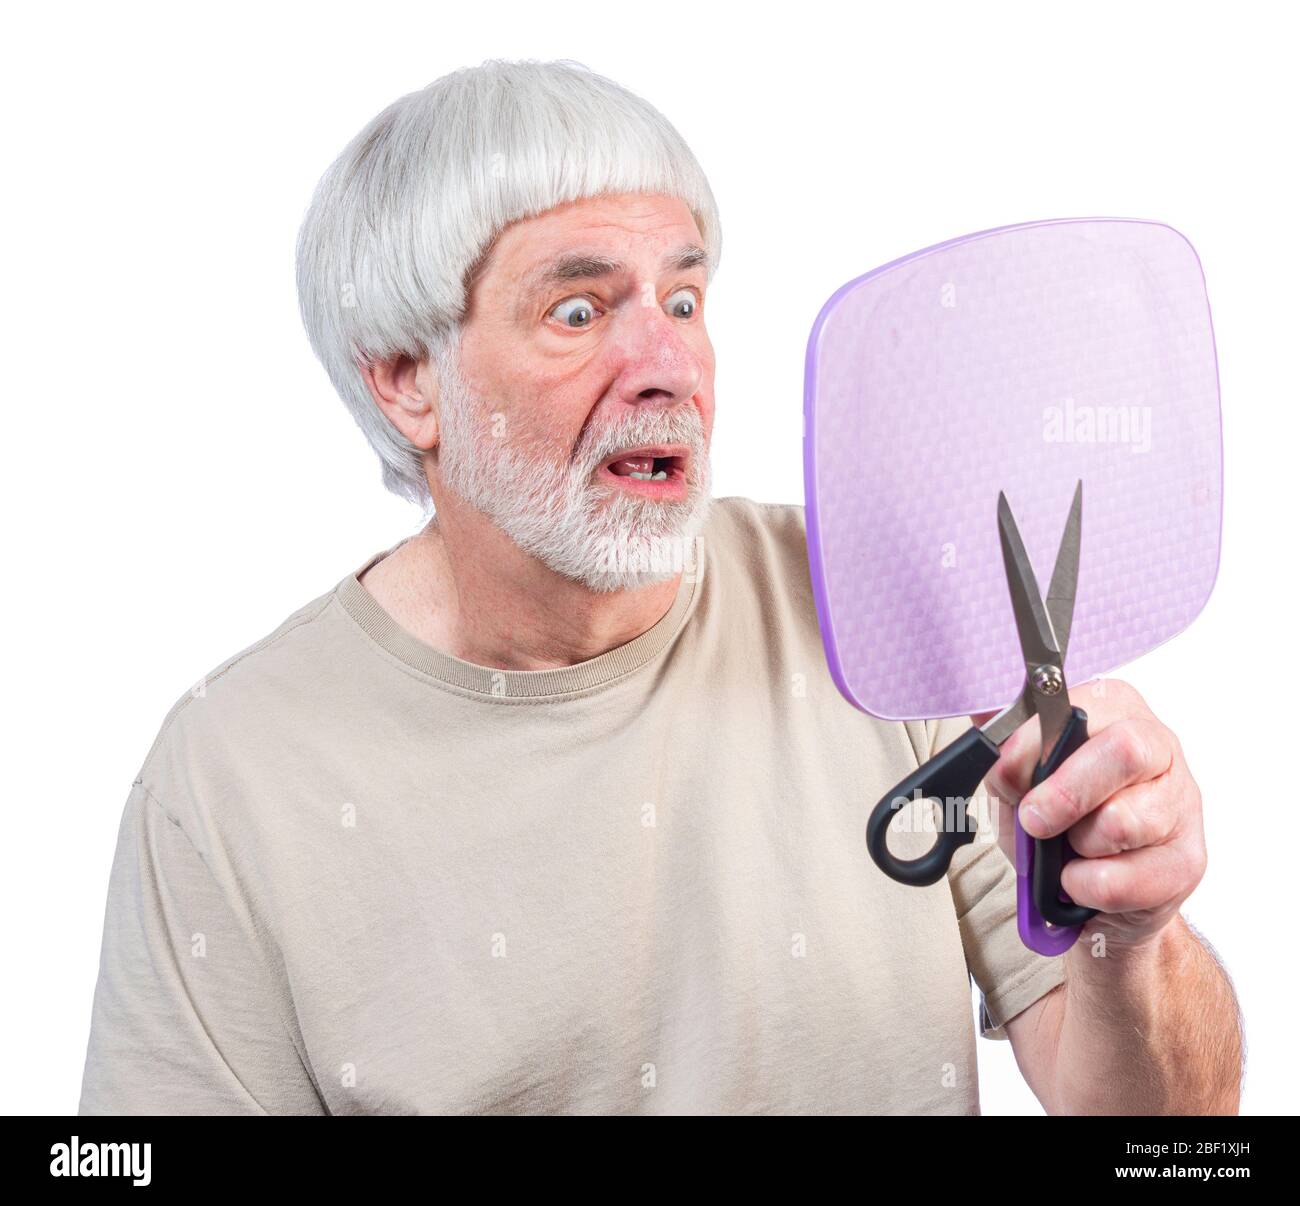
x=642 y=235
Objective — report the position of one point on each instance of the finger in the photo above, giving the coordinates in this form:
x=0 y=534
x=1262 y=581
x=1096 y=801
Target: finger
x=1151 y=878
x=1132 y=750
x=1013 y=773
x=1142 y=814
x=1107 y=700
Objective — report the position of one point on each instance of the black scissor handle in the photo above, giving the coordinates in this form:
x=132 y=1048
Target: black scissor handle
x=1051 y=854
x=950 y=777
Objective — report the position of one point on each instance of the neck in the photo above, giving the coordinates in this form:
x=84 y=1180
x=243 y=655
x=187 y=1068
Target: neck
x=466 y=588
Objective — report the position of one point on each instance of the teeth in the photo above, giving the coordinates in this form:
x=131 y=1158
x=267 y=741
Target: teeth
x=650 y=477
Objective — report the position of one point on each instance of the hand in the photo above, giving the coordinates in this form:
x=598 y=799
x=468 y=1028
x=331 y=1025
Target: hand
x=1127 y=801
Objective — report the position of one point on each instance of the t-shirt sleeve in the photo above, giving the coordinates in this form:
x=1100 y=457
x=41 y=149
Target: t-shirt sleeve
x=186 y=1019
x=1010 y=976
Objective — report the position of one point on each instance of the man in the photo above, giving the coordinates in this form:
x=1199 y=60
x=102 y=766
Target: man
x=554 y=806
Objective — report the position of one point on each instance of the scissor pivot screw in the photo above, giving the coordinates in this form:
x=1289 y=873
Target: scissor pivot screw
x=1048 y=680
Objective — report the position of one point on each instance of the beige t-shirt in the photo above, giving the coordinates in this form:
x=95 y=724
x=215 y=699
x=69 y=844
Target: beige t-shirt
x=358 y=875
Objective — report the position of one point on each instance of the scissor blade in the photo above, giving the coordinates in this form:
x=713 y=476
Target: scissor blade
x=1037 y=639
x=1065 y=577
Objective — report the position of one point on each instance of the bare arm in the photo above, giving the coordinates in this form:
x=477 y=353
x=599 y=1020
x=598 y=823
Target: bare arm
x=1151 y=1030
x=1147 y=1021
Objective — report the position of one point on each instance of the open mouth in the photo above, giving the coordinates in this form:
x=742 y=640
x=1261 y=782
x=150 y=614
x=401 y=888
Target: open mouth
x=645 y=467
x=658 y=470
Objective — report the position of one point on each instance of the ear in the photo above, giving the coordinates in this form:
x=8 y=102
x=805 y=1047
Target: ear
x=406 y=391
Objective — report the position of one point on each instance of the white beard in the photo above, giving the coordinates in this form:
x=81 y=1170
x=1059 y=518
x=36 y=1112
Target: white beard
x=591 y=534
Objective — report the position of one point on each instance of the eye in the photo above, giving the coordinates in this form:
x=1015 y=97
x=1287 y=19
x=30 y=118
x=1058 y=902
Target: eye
x=576 y=312
x=683 y=303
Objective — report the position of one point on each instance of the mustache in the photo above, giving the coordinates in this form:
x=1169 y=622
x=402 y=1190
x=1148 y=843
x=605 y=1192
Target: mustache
x=681 y=425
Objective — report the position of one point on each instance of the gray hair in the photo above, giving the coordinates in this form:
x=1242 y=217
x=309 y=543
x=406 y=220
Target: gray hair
x=403 y=217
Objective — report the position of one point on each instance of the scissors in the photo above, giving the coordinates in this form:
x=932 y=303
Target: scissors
x=1048 y=920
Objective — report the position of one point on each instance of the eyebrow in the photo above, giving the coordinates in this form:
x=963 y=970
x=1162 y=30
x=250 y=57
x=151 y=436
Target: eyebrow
x=582 y=266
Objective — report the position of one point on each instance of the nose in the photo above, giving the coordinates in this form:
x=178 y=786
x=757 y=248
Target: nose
x=659 y=365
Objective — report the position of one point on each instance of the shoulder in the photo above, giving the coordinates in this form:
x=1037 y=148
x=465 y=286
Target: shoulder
x=746 y=516
x=756 y=576
x=763 y=541
x=232 y=711
x=761 y=553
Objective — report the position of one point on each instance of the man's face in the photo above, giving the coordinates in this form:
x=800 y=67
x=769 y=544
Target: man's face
x=579 y=414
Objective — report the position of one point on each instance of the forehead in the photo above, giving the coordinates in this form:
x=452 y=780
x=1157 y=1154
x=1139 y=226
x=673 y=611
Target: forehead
x=638 y=230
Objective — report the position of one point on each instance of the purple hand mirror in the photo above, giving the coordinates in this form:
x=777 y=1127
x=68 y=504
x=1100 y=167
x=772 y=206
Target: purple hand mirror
x=1022 y=360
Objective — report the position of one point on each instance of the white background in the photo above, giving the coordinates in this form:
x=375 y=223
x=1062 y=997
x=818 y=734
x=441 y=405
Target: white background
x=178 y=476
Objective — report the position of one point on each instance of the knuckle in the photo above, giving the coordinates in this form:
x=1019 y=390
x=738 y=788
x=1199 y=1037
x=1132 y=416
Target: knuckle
x=1128 y=746
x=1128 y=693
x=1060 y=800
x=1119 y=826
x=1106 y=889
